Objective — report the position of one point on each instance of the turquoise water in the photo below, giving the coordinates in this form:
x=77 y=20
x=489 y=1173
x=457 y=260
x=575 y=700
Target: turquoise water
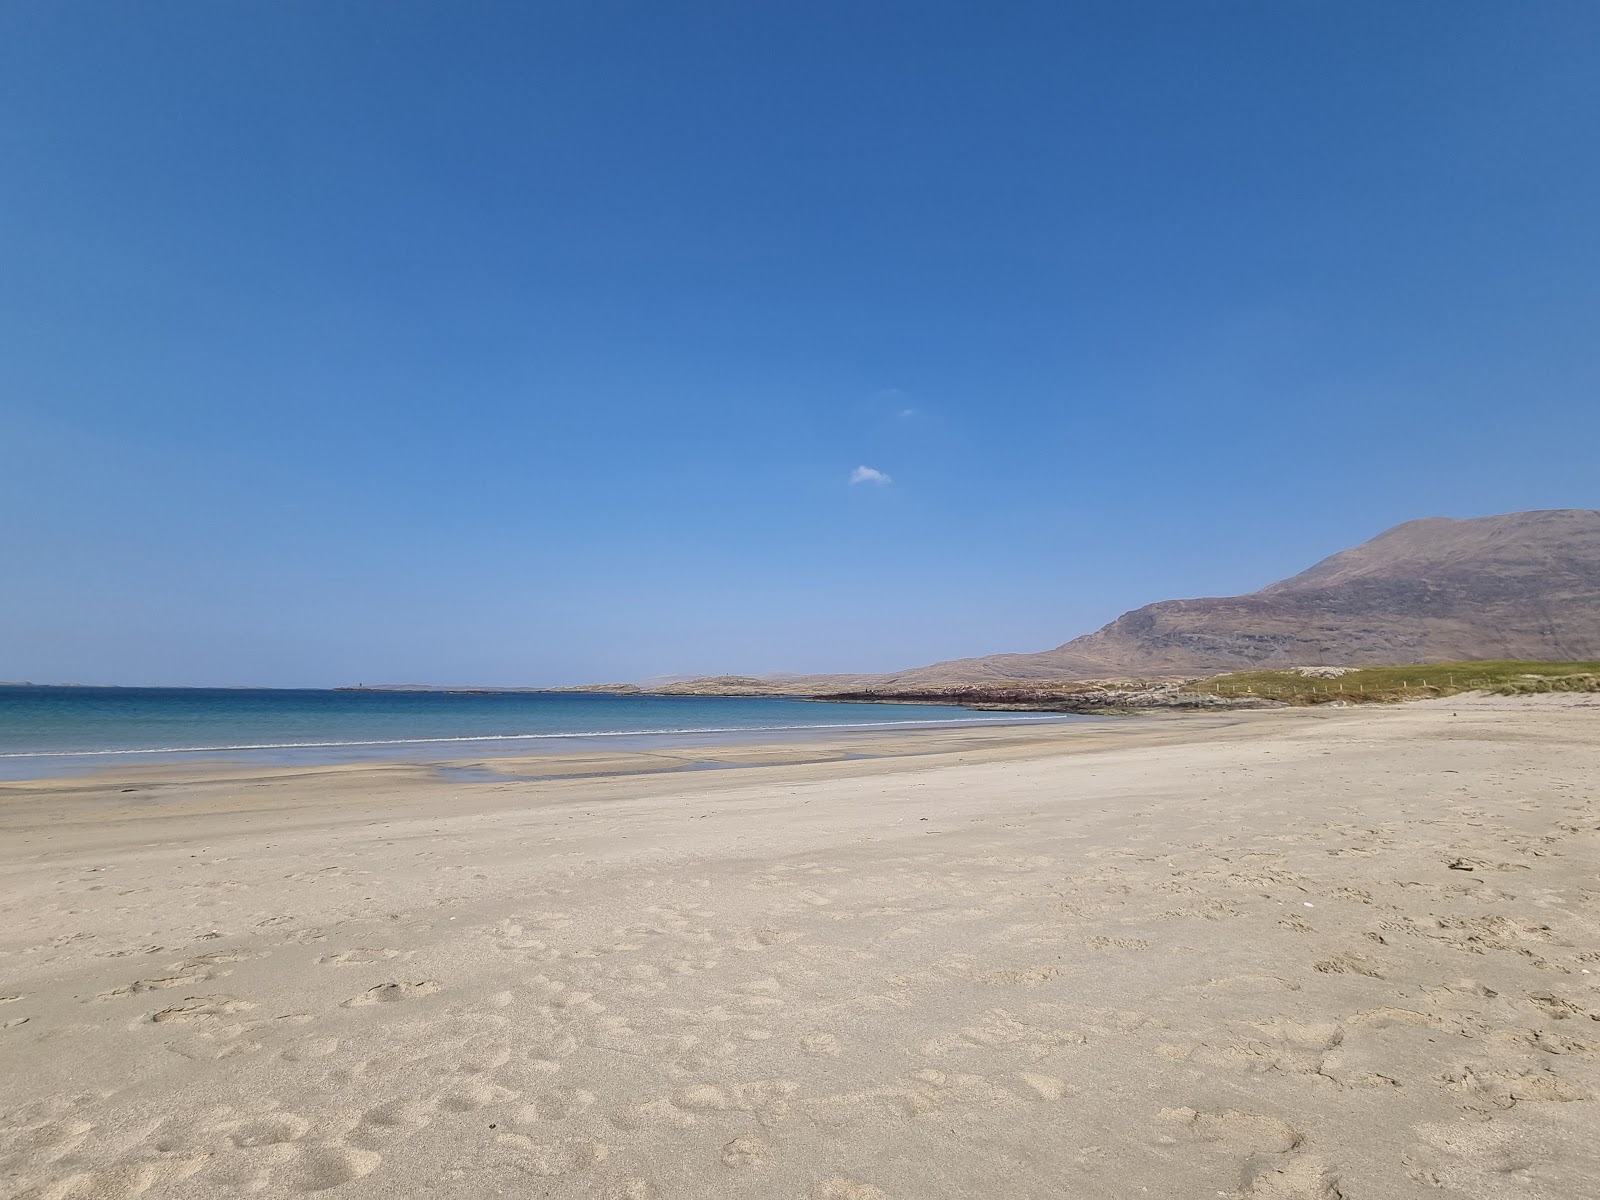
x=62 y=730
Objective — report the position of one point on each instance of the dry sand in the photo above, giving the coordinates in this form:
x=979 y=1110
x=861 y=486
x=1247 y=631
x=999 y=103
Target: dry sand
x=1299 y=954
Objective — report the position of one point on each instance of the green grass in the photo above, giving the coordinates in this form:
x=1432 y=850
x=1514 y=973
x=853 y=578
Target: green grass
x=1389 y=684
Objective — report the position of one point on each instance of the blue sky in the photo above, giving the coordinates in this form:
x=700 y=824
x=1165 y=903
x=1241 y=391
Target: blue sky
x=539 y=342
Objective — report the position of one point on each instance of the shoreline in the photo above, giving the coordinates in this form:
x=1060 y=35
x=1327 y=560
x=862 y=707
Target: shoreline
x=22 y=766
x=887 y=743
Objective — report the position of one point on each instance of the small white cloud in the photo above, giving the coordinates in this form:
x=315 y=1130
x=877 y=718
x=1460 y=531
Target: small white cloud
x=869 y=475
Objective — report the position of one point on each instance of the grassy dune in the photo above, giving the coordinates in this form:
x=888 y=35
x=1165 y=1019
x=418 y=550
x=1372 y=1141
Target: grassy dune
x=1369 y=684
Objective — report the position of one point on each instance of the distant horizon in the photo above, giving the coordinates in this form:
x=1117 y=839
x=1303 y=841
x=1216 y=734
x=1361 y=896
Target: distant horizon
x=585 y=344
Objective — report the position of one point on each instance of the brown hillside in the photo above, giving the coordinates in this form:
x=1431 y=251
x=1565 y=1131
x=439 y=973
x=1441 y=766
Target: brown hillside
x=1518 y=586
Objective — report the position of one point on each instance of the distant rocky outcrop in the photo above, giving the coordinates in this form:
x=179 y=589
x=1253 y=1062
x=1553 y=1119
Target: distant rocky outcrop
x=1108 y=696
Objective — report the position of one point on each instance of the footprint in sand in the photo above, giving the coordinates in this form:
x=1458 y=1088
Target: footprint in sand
x=394 y=1119
x=309 y=1048
x=559 y=1158
x=386 y=993
x=124 y=1179
x=1045 y=1087
x=270 y=1130
x=1558 y=1008
x=358 y=956
x=1273 y=1169
x=820 y=1043
x=211 y=960
x=555 y=1105
x=1299 y=1178
x=319 y=1168
x=481 y=1094
x=767 y=1100
x=202 y=1008
x=1241 y=1132
x=139 y=986
x=744 y=1152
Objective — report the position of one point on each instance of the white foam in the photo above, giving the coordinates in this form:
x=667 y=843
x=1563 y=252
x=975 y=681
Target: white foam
x=519 y=737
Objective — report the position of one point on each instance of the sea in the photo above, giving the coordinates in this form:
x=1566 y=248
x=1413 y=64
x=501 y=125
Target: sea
x=53 y=731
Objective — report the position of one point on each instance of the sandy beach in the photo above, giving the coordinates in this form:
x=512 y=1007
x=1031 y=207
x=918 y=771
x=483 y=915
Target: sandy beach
x=1299 y=954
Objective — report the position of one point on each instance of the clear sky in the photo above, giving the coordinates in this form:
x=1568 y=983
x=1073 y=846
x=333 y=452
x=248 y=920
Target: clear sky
x=525 y=343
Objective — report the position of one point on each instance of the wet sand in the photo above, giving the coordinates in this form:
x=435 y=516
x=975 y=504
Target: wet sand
x=1343 y=953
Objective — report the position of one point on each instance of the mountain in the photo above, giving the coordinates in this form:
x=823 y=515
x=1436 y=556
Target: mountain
x=1518 y=586
x=1522 y=586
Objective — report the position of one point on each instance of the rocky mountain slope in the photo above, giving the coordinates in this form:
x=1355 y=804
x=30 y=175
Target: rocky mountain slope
x=1518 y=586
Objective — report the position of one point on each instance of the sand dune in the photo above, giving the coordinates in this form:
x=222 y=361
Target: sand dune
x=1277 y=955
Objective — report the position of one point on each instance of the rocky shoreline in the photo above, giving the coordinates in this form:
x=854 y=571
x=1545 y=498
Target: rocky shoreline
x=1105 y=698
